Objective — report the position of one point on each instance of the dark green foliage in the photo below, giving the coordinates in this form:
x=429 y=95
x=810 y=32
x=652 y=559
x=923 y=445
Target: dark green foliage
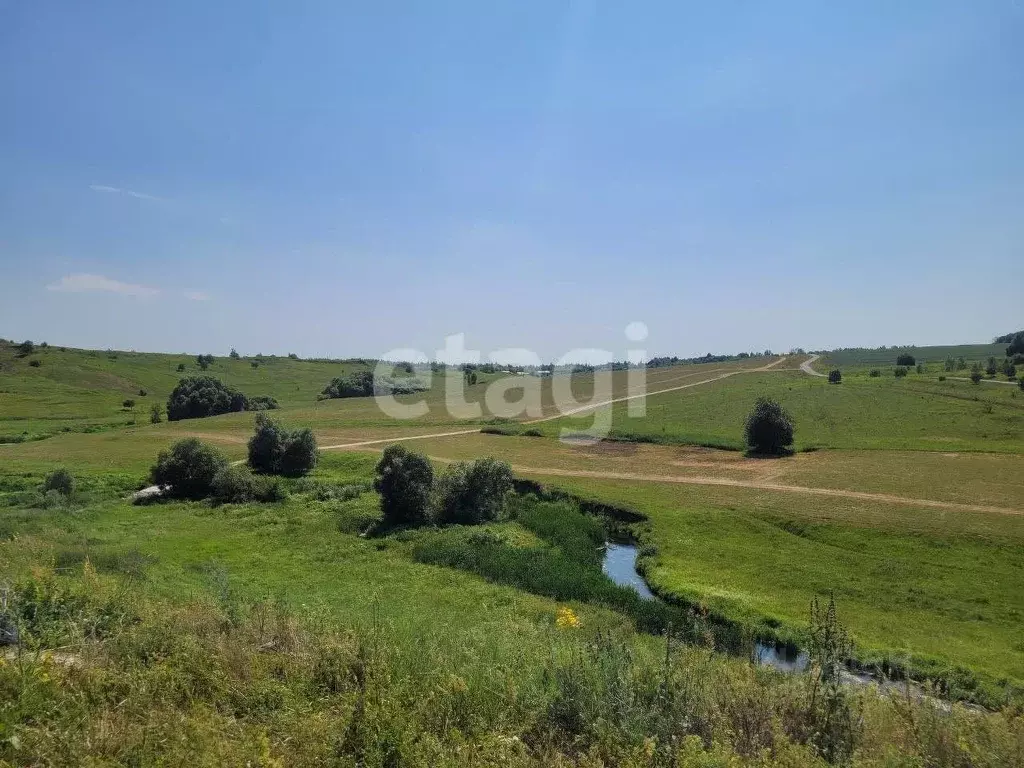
x=835 y=376
x=403 y=480
x=34 y=363
x=976 y=377
x=292 y=356
x=187 y=470
x=61 y=481
x=769 y=428
x=1020 y=384
x=128 y=404
x=961 y=364
x=899 y=372
x=1009 y=370
x=204 y=361
x=199 y=396
x=181 y=367
x=233 y=354
x=950 y=364
x=277 y=451
x=254 y=364
x=992 y=367
x=234 y=484
x=920 y=368
x=563 y=525
x=905 y=359
x=26 y=348
x=1016 y=344
x=874 y=373
x=262 y=403
x=363 y=384
x=942 y=378
x=154 y=413
x=472 y=493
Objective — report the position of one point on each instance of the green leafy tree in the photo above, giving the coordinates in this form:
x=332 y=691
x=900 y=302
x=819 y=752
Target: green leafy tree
x=472 y=493
x=992 y=368
x=950 y=364
x=154 y=413
x=899 y=372
x=835 y=376
x=403 y=480
x=187 y=470
x=277 y=451
x=196 y=397
x=26 y=348
x=769 y=428
x=976 y=377
x=181 y=367
x=233 y=354
x=1016 y=344
x=906 y=359
x=129 y=405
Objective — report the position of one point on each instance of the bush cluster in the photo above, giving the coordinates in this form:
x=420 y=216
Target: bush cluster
x=364 y=384
x=234 y=484
x=906 y=360
x=277 y=451
x=187 y=470
x=467 y=493
x=200 y=396
x=835 y=377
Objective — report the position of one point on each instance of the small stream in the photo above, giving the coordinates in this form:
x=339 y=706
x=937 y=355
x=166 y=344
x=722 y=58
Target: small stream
x=620 y=566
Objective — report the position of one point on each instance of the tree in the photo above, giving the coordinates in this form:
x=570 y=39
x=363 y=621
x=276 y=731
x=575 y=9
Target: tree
x=26 y=348
x=403 y=480
x=835 y=377
x=199 y=396
x=129 y=404
x=34 y=363
x=950 y=364
x=187 y=470
x=154 y=413
x=276 y=451
x=472 y=493
x=204 y=361
x=905 y=359
x=233 y=354
x=292 y=356
x=899 y=372
x=181 y=367
x=254 y=364
x=61 y=481
x=769 y=428
x=1016 y=345
x=961 y=364
x=992 y=368
x=976 y=377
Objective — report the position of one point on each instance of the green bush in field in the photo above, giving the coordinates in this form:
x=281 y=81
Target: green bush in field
x=874 y=373
x=196 y=397
x=187 y=470
x=906 y=360
x=899 y=372
x=835 y=377
x=234 y=484
x=403 y=480
x=976 y=377
x=154 y=413
x=472 y=493
x=769 y=428
x=1016 y=344
x=34 y=363
x=277 y=451
x=992 y=367
x=60 y=480
x=26 y=348
x=950 y=364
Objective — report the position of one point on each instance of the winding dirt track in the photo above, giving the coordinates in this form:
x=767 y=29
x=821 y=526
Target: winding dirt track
x=805 y=366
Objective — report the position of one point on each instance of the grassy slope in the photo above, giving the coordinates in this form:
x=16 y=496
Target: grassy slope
x=887 y=357
x=915 y=413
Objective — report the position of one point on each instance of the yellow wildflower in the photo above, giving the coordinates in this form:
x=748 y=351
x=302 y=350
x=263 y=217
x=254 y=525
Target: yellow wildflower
x=566 y=619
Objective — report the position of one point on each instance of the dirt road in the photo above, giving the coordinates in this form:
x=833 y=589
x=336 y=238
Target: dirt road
x=805 y=366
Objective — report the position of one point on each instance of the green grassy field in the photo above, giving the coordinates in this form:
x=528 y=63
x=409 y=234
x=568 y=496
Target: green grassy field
x=932 y=590
x=887 y=357
x=917 y=412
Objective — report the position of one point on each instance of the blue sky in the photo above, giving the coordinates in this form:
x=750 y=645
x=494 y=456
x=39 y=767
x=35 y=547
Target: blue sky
x=343 y=179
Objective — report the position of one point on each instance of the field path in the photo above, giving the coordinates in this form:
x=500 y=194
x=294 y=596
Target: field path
x=984 y=381
x=763 y=486
x=624 y=398
x=805 y=366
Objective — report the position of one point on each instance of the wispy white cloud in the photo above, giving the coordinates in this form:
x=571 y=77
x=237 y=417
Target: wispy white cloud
x=197 y=296
x=99 y=284
x=122 y=191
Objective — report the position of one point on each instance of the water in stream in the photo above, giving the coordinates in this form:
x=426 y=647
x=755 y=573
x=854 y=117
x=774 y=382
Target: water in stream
x=620 y=566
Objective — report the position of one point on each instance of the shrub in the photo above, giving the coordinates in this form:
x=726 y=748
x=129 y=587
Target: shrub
x=187 y=470
x=905 y=359
x=34 y=363
x=26 y=348
x=920 y=368
x=199 y=396
x=143 y=393
x=292 y=356
x=769 y=429
x=900 y=372
x=181 y=367
x=992 y=368
x=976 y=377
x=942 y=378
x=1016 y=344
x=262 y=403
x=403 y=480
x=961 y=364
x=835 y=377
x=233 y=354
x=950 y=364
x=874 y=373
x=254 y=364
x=60 y=480
x=363 y=384
x=154 y=413
x=204 y=361
x=468 y=494
x=238 y=485
x=128 y=404
x=276 y=451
